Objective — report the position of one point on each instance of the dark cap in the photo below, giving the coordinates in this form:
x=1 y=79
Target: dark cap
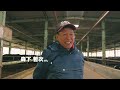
x=65 y=24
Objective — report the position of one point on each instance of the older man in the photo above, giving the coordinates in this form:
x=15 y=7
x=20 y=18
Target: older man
x=65 y=61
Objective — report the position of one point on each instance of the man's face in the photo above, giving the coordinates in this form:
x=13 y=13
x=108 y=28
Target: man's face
x=66 y=38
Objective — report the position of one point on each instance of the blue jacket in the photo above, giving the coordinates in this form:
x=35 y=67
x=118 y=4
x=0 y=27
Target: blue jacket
x=62 y=64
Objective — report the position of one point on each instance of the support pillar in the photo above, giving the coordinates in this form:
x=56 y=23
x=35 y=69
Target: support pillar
x=103 y=43
x=2 y=22
x=87 y=47
x=9 y=47
x=46 y=34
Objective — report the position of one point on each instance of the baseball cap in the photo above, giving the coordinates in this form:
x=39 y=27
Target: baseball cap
x=65 y=24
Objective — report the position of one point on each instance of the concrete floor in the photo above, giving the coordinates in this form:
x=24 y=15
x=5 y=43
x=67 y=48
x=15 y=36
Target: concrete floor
x=88 y=74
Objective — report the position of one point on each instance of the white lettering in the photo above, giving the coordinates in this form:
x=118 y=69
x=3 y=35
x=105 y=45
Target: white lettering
x=35 y=59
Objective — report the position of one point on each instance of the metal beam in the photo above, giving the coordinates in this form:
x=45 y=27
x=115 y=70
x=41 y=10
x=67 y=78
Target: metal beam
x=61 y=18
x=99 y=20
x=21 y=32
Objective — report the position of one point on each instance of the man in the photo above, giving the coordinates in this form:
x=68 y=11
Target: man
x=65 y=61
